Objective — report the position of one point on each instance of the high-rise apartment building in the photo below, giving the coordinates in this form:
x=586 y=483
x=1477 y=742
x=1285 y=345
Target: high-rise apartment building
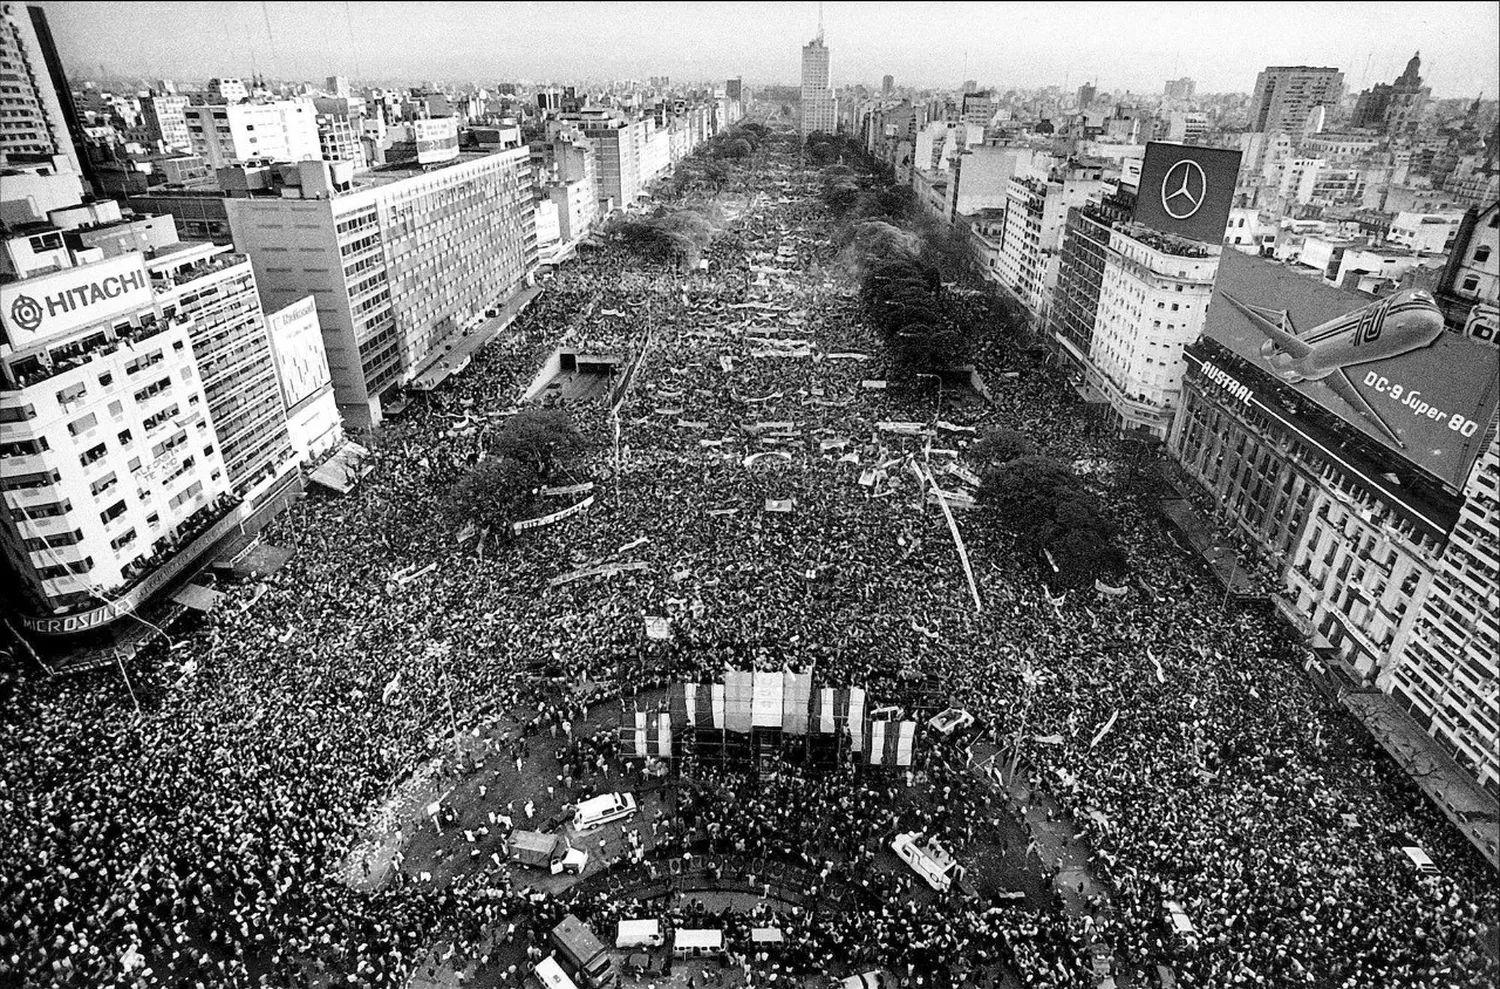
x=1153 y=300
x=1086 y=94
x=401 y=261
x=165 y=117
x=229 y=133
x=33 y=124
x=819 y=106
x=887 y=84
x=1286 y=96
x=1036 y=211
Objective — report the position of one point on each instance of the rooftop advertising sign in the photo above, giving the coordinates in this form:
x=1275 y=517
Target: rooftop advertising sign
x=1386 y=366
x=34 y=309
x=1186 y=190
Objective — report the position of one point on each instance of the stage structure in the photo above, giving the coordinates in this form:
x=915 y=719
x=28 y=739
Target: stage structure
x=754 y=713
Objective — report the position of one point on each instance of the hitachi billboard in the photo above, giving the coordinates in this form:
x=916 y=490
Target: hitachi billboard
x=1387 y=366
x=48 y=305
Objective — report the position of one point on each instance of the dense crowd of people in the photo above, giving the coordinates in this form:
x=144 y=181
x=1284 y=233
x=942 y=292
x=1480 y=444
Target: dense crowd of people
x=197 y=844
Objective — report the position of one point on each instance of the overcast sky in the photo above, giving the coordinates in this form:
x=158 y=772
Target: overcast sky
x=1126 y=46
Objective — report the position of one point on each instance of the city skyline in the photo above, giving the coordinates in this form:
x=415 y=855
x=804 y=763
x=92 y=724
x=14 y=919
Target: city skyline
x=1222 y=51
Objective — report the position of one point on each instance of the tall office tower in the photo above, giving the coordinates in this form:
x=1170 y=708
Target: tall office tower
x=337 y=86
x=819 y=107
x=166 y=121
x=1086 y=94
x=1286 y=95
x=33 y=118
x=1180 y=89
x=887 y=84
x=734 y=89
x=417 y=252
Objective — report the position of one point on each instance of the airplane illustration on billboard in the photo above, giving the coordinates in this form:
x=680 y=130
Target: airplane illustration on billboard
x=1389 y=327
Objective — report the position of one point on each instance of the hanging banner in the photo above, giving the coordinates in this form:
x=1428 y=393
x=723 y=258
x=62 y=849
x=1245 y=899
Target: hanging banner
x=664 y=735
x=1161 y=676
x=658 y=628
x=767 y=698
x=780 y=505
x=717 y=706
x=558 y=516
x=901 y=746
x=826 y=719
x=739 y=700
x=847 y=355
x=877 y=742
x=638 y=737
x=1049 y=739
x=794 y=704
x=856 y=718
x=1110 y=589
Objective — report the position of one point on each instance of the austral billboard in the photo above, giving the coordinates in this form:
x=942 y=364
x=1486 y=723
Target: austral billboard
x=1387 y=366
x=1187 y=190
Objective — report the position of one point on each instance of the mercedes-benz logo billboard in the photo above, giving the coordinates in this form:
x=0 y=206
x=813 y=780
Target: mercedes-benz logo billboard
x=1183 y=189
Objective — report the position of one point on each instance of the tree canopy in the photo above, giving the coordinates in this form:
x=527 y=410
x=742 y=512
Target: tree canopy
x=543 y=439
x=1047 y=507
x=495 y=493
x=1000 y=445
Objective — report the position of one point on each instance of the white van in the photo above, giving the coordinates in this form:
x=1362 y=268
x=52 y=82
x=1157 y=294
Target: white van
x=551 y=975
x=599 y=811
x=639 y=934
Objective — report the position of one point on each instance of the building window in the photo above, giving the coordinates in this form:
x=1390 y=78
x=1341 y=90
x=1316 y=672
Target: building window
x=1481 y=254
x=1471 y=284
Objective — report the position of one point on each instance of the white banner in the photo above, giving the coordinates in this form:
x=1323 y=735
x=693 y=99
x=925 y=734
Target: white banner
x=1105 y=730
x=877 y=741
x=557 y=516
x=658 y=628
x=857 y=717
x=568 y=490
x=765 y=707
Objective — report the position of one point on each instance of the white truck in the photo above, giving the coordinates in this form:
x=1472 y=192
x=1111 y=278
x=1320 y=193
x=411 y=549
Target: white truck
x=931 y=860
x=540 y=850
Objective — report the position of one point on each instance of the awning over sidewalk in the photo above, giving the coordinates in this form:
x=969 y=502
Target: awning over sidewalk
x=197 y=597
x=342 y=471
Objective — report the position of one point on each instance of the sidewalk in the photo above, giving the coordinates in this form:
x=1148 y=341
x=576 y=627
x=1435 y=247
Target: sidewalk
x=1471 y=808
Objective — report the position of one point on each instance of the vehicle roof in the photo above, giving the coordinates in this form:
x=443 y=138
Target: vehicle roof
x=699 y=938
